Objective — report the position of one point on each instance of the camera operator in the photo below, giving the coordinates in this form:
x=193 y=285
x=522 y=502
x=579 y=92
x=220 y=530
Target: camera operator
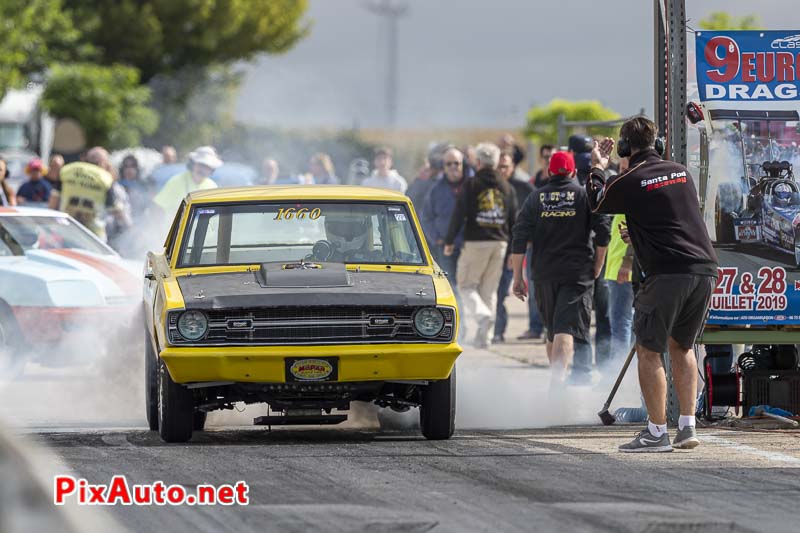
x=557 y=220
x=671 y=243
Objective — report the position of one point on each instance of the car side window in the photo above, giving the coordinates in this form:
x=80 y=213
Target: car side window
x=173 y=232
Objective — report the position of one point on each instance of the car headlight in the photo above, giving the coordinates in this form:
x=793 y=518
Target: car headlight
x=192 y=325
x=428 y=321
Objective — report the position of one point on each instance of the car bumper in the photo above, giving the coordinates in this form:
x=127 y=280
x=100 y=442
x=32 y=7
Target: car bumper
x=266 y=364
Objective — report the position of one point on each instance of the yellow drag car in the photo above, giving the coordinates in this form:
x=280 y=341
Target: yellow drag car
x=302 y=297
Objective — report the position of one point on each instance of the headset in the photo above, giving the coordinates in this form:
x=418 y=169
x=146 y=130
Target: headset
x=624 y=146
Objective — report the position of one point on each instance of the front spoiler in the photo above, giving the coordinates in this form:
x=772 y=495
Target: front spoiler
x=265 y=364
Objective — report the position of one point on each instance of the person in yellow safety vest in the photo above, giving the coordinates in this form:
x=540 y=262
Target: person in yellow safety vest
x=90 y=195
x=202 y=163
x=619 y=265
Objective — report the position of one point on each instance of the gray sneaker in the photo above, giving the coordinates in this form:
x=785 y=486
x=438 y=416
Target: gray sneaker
x=647 y=442
x=686 y=439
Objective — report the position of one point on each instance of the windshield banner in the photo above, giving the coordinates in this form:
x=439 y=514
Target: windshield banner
x=756 y=67
x=748 y=148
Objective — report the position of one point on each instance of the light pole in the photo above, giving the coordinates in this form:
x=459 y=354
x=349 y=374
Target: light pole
x=392 y=10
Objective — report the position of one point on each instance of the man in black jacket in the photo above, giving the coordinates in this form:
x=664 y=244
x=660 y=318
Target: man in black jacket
x=671 y=243
x=486 y=209
x=567 y=258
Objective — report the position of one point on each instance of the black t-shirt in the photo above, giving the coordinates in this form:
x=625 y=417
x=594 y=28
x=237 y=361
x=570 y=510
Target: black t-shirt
x=35 y=191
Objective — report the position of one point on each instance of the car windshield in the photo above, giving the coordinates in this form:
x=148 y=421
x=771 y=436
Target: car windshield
x=12 y=136
x=20 y=234
x=365 y=233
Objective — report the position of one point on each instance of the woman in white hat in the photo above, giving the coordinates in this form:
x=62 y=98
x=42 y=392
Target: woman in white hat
x=203 y=161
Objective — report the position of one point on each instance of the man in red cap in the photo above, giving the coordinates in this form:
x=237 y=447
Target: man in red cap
x=36 y=190
x=570 y=244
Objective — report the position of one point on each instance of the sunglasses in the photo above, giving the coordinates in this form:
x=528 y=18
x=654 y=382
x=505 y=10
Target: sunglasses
x=452 y=164
x=503 y=166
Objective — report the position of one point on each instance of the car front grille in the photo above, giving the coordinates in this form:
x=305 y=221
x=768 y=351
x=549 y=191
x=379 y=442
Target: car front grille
x=312 y=325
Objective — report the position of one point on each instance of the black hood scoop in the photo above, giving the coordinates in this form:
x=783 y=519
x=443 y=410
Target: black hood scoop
x=303 y=275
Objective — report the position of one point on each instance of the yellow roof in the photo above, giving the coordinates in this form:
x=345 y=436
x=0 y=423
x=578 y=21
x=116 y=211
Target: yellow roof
x=295 y=192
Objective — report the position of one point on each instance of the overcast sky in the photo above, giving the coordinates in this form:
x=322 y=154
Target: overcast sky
x=474 y=63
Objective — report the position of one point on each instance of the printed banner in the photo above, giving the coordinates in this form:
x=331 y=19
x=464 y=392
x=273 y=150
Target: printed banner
x=748 y=66
x=748 y=149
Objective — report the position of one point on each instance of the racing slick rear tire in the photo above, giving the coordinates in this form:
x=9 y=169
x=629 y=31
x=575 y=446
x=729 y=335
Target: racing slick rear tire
x=723 y=224
x=150 y=384
x=437 y=412
x=175 y=408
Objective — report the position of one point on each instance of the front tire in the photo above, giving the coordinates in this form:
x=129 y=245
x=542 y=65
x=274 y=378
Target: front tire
x=437 y=413
x=175 y=408
x=150 y=384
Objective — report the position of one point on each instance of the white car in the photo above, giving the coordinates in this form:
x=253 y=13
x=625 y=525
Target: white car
x=64 y=293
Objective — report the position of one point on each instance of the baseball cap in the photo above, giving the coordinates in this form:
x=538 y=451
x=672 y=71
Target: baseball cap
x=206 y=155
x=35 y=164
x=561 y=164
x=580 y=144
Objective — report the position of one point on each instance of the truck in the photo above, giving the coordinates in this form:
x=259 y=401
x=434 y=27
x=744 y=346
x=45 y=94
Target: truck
x=26 y=130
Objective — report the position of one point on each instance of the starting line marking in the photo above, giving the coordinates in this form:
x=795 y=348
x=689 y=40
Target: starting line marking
x=750 y=450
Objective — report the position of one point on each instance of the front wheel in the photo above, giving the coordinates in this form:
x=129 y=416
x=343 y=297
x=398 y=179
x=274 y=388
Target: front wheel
x=175 y=408
x=150 y=384
x=437 y=413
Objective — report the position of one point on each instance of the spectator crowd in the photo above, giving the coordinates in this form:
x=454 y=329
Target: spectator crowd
x=467 y=199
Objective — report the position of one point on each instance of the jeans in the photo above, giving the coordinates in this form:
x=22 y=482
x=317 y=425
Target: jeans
x=535 y=325
x=602 y=318
x=582 y=356
x=621 y=312
x=501 y=320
